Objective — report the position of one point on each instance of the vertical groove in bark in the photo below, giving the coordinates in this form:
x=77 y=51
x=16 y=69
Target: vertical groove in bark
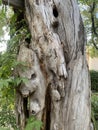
x=56 y=57
x=48 y=108
x=25 y=105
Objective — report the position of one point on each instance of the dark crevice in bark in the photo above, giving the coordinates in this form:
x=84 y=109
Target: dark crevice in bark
x=28 y=39
x=48 y=108
x=55 y=24
x=25 y=105
x=67 y=59
x=81 y=36
x=37 y=2
x=55 y=11
x=27 y=44
x=44 y=119
x=33 y=76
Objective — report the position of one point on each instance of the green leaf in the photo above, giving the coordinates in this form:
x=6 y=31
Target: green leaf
x=17 y=81
x=1 y=84
x=37 y=124
x=6 y=83
x=33 y=123
x=24 y=80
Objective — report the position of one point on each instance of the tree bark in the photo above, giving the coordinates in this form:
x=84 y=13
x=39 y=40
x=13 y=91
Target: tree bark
x=58 y=91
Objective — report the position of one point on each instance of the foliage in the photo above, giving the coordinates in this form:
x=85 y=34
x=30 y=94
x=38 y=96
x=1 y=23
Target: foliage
x=93 y=119
x=94 y=80
x=92 y=51
x=97 y=125
x=5 y=15
x=1 y=128
x=94 y=114
x=33 y=123
x=2 y=20
x=8 y=77
x=7 y=116
x=94 y=103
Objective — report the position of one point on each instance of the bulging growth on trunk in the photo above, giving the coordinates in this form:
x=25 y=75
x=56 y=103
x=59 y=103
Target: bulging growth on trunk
x=58 y=89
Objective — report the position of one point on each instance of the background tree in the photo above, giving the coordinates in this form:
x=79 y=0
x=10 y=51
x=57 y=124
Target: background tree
x=89 y=10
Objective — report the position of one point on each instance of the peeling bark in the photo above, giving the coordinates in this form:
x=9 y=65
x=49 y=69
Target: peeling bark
x=58 y=91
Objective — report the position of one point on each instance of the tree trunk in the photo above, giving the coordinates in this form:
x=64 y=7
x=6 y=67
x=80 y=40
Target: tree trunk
x=58 y=91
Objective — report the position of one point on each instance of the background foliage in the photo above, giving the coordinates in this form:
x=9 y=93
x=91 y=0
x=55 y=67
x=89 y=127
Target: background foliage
x=17 y=30
x=94 y=80
x=94 y=99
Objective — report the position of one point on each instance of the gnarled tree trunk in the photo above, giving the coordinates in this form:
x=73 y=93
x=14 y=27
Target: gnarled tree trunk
x=58 y=91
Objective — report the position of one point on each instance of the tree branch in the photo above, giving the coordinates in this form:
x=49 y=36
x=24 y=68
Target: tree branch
x=93 y=28
x=17 y=4
x=93 y=20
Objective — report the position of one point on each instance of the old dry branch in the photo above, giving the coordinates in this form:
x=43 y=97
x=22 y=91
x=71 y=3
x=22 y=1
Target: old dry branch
x=19 y=4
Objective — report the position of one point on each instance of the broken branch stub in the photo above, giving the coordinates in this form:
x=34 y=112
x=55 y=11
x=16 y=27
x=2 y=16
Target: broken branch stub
x=17 y=4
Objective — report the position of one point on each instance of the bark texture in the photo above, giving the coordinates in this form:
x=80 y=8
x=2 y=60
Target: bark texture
x=58 y=91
